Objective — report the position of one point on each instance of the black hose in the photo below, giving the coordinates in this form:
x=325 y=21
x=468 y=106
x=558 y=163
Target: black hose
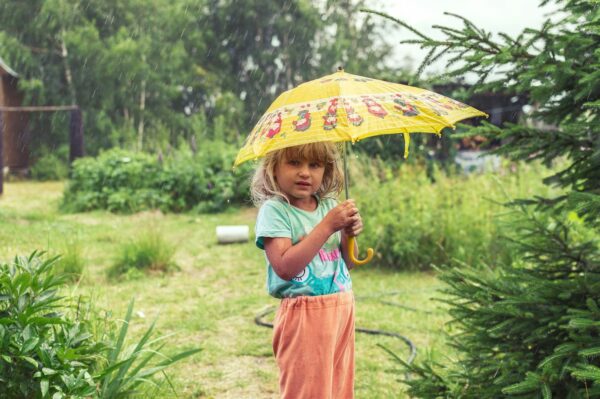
x=413 y=349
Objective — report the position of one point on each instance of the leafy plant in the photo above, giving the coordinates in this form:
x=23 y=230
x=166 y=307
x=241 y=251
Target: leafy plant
x=416 y=224
x=42 y=352
x=51 y=166
x=122 y=181
x=46 y=353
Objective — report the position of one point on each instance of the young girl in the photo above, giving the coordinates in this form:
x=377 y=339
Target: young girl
x=304 y=232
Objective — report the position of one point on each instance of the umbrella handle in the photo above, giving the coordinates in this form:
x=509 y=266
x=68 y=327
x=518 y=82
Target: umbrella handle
x=353 y=259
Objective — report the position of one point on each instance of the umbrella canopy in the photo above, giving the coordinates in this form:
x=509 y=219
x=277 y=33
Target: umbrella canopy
x=346 y=107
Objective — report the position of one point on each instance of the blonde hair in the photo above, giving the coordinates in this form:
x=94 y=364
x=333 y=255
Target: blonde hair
x=264 y=186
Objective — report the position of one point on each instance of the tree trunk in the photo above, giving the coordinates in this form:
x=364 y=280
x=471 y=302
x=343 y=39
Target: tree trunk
x=140 y=140
x=68 y=75
x=1 y=154
x=76 y=135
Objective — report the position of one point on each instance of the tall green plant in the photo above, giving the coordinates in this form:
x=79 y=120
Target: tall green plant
x=416 y=224
x=530 y=328
x=149 y=252
x=46 y=352
x=43 y=353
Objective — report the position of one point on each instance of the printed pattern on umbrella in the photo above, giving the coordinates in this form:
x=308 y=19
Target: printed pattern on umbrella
x=356 y=107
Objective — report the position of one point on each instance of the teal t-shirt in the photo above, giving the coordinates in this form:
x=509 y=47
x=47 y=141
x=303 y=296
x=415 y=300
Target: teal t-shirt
x=326 y=273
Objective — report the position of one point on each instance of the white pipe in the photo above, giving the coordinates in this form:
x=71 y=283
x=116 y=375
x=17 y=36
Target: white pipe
x=231 y=234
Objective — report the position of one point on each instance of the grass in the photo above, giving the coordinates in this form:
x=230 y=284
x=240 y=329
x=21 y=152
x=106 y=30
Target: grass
x=147 y=252
x=210 y=301
x=71 y=261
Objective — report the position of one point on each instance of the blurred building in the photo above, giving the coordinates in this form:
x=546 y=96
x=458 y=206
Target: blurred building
x=501 y=108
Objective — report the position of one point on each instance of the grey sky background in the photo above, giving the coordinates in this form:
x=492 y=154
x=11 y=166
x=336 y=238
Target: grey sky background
x=509 y=16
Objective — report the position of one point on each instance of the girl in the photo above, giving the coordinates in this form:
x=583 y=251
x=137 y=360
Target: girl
x=304 y=232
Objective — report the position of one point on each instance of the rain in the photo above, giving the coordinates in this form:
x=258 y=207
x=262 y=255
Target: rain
x=180 y=179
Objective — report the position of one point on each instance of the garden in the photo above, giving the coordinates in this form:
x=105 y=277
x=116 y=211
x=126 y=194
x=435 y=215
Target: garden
x=113 y=282
x=202 y=295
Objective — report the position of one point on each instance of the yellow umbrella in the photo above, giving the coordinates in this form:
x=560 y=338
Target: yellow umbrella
x=346 y=107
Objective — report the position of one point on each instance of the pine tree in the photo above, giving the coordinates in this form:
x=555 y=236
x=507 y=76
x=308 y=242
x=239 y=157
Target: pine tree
x=531 y=329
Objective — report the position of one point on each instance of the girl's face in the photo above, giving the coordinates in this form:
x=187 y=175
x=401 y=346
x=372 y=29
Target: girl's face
x=299 y=178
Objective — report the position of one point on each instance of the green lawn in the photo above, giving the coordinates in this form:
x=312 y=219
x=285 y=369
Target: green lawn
x=211 y=301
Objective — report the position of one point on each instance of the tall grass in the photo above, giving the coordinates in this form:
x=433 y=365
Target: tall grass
x=148 y=252
x=126 y=371
x=71 y=262
x=416 y=220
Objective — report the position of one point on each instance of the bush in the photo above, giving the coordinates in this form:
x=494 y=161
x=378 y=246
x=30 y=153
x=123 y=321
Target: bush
x=414 y=223
x=42 y=352
x=147 y=253
x=531 y=327
x=46 y=352
x=122 y=181
x=50 y=167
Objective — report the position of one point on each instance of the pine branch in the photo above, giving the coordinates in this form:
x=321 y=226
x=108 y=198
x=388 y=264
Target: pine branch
x=398 y=21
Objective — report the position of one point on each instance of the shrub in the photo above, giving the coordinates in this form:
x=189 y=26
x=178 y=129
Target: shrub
x=42 y=352
x=47 y=352
x=51 y=166
x=122 y=181
x=414 y=223
x=112 y=180
x=147 y=253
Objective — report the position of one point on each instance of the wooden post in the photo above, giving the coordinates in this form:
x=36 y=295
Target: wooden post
x=1 y=154
x=76 y=135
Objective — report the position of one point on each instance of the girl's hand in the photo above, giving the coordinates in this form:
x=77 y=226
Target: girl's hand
x=342 y=216
x=355 y=228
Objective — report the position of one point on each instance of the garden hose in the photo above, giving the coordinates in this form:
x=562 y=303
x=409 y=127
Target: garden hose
x=259 y=320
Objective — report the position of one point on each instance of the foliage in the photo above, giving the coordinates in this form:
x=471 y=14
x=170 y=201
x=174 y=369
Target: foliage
x=51 y=166
x=148 y=252
x=127 y=369
x=123 y=181
x=147 y=74
x=293 y=42
x=529 y=328
x=71 y=262
x=416 y=224
x=43 y=353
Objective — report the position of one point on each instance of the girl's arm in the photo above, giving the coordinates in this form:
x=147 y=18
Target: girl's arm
x=289 y=260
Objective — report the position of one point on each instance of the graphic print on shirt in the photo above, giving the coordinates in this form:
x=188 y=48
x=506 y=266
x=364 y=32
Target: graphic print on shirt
x=330 y=251
x=319 y=276
x=341 y=278
x=303 y=276
x=325 y=273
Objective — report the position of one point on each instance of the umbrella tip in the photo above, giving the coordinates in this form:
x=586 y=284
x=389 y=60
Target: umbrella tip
x=340 y=68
